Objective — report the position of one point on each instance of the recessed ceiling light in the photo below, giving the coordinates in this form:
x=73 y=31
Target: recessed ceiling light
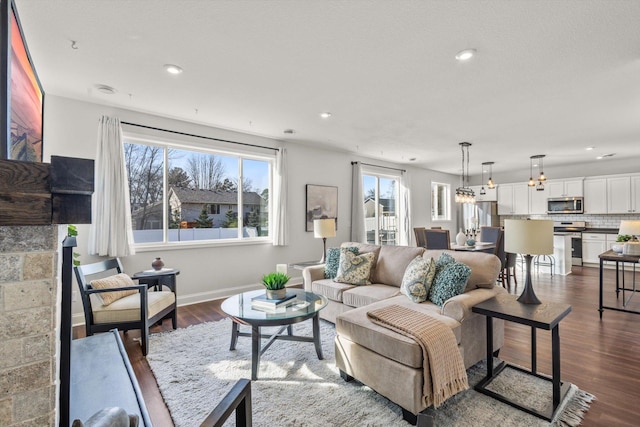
x=325 y=115
x=289 y=131
x=412 y=159
x=465 y=55
x=605 y=156
x=106 y=89
x=589 y=148
x=172 y=69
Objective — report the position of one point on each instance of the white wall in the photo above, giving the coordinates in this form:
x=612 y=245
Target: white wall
x=70 y=129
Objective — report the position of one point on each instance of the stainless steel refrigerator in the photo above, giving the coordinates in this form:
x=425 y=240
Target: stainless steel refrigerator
x=480 y=214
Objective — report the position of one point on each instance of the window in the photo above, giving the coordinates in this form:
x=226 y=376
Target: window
x=440 y=202
x=180 y=194
x=381 y=208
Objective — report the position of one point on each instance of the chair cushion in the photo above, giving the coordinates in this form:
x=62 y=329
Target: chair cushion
x=333 y=260
x=364 y=295
x=330 y=289
x=418 y=278
x=115 y=281
x=354 y=269
x=127 y=309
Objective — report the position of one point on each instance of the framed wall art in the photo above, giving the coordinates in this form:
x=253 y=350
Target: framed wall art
x=20 y=90
x=322 y=202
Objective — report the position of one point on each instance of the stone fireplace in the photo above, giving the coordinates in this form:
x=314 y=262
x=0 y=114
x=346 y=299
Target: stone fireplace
x=28 y=314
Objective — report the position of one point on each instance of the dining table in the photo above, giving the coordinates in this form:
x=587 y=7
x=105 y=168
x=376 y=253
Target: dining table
x=478 y=247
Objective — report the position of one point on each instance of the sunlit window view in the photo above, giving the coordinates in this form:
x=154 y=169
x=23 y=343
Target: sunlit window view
x=440 y=202
x=182 y=195
x=381 y=209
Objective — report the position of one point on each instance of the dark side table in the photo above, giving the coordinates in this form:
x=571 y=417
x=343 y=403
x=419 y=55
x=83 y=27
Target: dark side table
x=545 y=316
x=158 y=278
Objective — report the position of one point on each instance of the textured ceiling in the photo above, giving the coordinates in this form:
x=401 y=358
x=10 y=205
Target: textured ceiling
x=550 y=77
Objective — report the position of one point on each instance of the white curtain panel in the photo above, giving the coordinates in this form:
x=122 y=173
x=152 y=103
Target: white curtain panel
x=405 y=210
x=280 y=224
x=110 y=233
x=358 y=232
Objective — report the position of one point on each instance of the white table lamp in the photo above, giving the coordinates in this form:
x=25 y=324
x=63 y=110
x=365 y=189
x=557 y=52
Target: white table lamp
x=630 y=228
x=528 y=237
x=323 y=228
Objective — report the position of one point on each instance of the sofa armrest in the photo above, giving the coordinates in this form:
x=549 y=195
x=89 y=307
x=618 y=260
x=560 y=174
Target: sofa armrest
x=311 y=274
x=459 y=307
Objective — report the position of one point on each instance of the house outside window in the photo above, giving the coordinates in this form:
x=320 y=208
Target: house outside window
x=381 y=208
x=179 y=195
x=440 y=202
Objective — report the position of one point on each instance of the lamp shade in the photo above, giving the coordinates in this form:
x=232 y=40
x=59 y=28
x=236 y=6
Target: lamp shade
x=629 y=228
x=531 y=237
x=325 y=227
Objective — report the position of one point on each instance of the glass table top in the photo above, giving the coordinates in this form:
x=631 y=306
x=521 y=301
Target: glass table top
x=303 y=305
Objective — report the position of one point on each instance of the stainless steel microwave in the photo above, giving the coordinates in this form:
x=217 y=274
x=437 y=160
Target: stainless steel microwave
x=565 y=205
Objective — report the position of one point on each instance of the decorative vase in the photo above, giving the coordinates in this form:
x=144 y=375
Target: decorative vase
x=157 y=264
x=471 y=242
x=461 y=238
x=276 y=293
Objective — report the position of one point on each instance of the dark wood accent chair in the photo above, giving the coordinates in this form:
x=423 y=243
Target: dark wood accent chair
x=437 y=239
x=495 y=235
x=119 y=314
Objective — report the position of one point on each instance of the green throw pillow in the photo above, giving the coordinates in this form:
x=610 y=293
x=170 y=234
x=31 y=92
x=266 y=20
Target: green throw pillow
x=418 y=278
x=332 y=261
x=354 y=269
x=449 y=282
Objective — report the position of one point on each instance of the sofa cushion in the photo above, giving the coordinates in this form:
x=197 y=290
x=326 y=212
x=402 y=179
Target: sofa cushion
x=418 y=278
x=449 y=282
x=392 y=263
x=330 y=289
x=355 y=326
x=364 y=248
x=484 y=267
x=354 y=269
x=333 y=260
x=363 y=295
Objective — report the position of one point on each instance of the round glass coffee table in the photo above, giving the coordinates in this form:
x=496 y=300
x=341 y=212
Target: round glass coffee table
x=305 y=305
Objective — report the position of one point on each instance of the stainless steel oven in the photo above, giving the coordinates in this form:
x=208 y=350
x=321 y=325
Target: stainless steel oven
x=573 y=229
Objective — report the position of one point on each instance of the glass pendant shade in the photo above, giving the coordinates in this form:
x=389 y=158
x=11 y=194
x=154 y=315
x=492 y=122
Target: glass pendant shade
x=464 y=194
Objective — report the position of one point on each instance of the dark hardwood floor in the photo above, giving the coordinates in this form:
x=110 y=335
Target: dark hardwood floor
x=599 y=356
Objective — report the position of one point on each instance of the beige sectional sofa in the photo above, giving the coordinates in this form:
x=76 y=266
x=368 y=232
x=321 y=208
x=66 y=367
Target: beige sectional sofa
x=390 y=363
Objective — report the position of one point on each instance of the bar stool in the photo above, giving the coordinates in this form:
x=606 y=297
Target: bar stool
x=545 y=261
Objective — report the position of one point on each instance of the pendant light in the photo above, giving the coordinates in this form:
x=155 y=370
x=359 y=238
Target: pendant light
x=531 y=183
x=464 y=194
x=490 y=184
x=482 y=190
x=541 y=177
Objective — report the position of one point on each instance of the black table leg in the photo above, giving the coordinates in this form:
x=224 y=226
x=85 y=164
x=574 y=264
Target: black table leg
x=555 y=360
x=235 y=328
x=316 y=336
x=600 y=309
x=489 y=346
x=255 y=351
x=534 y=351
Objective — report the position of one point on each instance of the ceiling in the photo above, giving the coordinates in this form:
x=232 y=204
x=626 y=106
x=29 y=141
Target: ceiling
x=550 y=77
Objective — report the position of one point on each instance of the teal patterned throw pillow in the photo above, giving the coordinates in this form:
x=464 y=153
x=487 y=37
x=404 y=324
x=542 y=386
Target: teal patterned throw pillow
x=354 y=269
x=418 y=278
x=333 y=259
x=449 y=282
x=444 y=259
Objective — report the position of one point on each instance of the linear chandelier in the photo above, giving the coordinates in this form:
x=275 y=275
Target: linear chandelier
x=464 y=194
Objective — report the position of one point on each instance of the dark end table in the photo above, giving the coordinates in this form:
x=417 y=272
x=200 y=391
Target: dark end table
x=158 y=278
x=545 y=316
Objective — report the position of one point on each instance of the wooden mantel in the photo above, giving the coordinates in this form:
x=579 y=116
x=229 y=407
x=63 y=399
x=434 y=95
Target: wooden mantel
x=44 y=194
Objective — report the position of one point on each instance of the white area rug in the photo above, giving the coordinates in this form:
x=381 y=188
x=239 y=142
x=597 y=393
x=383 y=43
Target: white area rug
x=195 y=369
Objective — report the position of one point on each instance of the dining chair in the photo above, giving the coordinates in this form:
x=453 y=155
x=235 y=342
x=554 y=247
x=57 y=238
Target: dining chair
x=113 y=301
x=437 y=239
x=419 y=232
x=495 y=235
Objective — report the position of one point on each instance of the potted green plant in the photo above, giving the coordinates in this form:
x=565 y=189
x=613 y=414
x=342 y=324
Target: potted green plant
x=275 y=282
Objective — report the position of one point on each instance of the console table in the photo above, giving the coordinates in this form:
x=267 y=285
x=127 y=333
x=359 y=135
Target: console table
x=619 y=259
x=545 y=316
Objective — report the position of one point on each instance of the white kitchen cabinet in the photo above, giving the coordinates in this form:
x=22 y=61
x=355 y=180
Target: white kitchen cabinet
x=565 y=188
x=491 y=194
x=538 y=201
x=513 y=199
x=635 y=193
x=619 y=195
x=593 y=244
x=595 y=196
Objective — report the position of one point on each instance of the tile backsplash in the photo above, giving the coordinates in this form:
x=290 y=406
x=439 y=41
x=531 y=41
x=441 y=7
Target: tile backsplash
x=593 y=221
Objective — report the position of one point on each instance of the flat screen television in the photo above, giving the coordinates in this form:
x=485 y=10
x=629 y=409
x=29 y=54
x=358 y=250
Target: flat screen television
x=22 y=95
